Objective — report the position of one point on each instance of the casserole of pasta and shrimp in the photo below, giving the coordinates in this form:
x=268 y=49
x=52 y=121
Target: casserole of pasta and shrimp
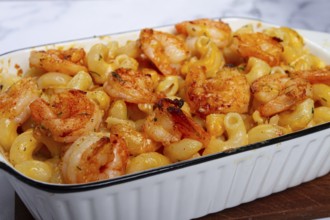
x=210 y=111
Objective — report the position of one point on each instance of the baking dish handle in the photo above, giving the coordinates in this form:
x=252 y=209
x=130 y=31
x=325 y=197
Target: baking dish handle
x=7 y=194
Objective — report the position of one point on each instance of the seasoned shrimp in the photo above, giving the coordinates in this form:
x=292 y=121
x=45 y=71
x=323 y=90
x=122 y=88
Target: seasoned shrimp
x=130 y=85
x=69 y=115
x=169 y=124
x=259 y=45
x=218 y=31
x=314 y=76
x=165 y=50
x=69 y=61
x=277 y=92
x=95 y=157
x=15 y=101
x=228 y=91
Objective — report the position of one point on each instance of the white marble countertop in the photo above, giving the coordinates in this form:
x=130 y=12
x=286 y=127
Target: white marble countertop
x=30 y=23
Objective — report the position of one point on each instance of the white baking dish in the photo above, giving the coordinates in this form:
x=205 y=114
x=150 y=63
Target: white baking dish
x=187 y=189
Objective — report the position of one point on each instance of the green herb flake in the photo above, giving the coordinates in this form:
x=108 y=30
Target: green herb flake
x=241 y=68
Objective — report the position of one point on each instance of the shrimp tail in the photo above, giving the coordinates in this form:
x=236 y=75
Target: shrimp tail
x=184 y=123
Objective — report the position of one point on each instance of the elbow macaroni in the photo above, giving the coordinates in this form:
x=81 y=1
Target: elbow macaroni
x=156 y=133
x=23 y=147
x=256 y=68
x=236 y=132
x=300 y=117
x=8 y=133
x=211 y=57
x=321 y=93
x=97 y=65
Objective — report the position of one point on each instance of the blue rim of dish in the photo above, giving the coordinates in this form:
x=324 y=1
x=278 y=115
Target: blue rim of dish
x=71 y=188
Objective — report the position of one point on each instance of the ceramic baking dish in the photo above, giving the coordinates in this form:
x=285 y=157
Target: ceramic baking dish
x=188 y=189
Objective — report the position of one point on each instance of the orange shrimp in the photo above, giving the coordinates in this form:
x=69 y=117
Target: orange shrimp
x=69 y=61
x=277 y=92
x=170 y=124
x=165 y=50
x=69 y=115
x=15 y=101
x=259 y=45
x=314 y=76
x=130 y=85
x=95 y=157
x=218 y=31
x=229 y=91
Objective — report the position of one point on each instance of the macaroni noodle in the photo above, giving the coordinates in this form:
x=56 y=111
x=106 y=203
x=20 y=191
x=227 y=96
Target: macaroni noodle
x=79 y=115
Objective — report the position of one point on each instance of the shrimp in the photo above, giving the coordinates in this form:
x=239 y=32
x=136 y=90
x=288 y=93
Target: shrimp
x=227 y=92
x=218 y=31
x=69 y=115
x=15 y=101
x=130 y=85
x=69 y=61
x=259 y=45
x=95 y=157
x=165 y=50
x=169 y=124
x=314 y=76
x=277 y=92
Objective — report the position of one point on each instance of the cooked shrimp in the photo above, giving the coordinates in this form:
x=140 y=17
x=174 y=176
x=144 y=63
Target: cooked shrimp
x=130 y=85
x=314 y=76
x=165 y=50
x=228 y=91
x=258 y=45
x=170 y=124
x=69 y=61
x=69 y=115
x=15 y=101
x=95 y=157
x=137 y=142
x=277 y=92
x=218 y=31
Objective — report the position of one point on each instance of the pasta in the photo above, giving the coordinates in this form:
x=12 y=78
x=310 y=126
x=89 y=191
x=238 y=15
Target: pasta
x=169 y=85
x=116 y=108
x=299 y=117
x=321 y=93
x=35 y=169
x=82 y=81
x=97 y=64
x=182 y=150
x=255 y=69
x=53 y=80
x=236 y=132
x=147 y=161
x=23 y=147
x=9 y=133
x=211 y=57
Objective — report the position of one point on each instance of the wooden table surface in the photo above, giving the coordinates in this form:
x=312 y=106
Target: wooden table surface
x=308 y=201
